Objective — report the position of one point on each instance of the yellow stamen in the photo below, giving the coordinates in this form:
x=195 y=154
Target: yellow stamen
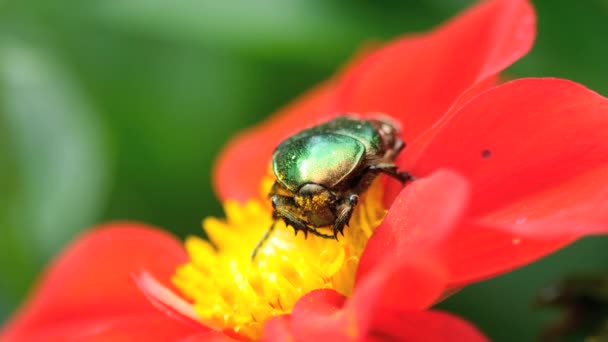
x=232 y=292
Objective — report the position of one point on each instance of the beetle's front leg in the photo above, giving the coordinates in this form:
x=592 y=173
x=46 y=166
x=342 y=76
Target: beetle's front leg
x=345 y=211
x=399 y=145
x=391 y=170
x=263 y=240
x=284 y=208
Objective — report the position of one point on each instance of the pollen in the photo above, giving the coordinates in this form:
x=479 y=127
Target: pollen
x=233 y=293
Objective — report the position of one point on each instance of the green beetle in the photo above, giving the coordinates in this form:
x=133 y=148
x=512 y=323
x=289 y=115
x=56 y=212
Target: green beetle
x=321 y=171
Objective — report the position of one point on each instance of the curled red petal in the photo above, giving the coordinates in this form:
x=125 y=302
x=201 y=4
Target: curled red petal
x=375 y=310
x=319 y=315
x=277 y=329
x=88 y=291
x=417 y=79
x=576 y=220
x=565 y=208
x=473 y=252
x=422 y=215
x=395 y=286
x=164 y=299
x=490 y=247
x=400 y=284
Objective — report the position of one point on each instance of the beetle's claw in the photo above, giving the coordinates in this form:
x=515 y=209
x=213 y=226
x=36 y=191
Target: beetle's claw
x=405 y=177
x=297 y=228
x=338 y=231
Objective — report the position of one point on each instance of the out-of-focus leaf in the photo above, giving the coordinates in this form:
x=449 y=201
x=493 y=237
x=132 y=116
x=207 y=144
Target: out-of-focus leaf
x=583 y=301
x=59 y=159
x=315 y=32
x=571 y=43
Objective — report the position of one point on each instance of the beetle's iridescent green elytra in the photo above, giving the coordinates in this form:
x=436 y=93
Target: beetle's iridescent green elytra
x=325 y=160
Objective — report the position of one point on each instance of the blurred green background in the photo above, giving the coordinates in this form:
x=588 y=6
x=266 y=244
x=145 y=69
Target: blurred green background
x=116 y=109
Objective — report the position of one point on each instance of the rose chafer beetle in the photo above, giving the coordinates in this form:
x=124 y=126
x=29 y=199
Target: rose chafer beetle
x=321 y=171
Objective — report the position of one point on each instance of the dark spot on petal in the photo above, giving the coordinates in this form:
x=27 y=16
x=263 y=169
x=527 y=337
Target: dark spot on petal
x=485 y=154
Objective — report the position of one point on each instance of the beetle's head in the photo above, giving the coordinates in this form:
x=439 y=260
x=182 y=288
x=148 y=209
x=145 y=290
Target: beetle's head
x=313 y=197
x=317 y=203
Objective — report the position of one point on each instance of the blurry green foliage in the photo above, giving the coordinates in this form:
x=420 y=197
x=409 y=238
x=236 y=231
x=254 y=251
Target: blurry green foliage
x=59 y=155
x=116 y=109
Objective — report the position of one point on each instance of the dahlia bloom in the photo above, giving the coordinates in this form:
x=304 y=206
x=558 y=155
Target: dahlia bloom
x=505 y=174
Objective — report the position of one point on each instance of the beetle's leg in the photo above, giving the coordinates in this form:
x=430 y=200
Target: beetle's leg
x=391 y=154
x=263 y=240
x=372 y=171
x=271 y=229
x=346 y=211
x=399 y=146
x=391 y=170
x=284 y=207
x=321 y=235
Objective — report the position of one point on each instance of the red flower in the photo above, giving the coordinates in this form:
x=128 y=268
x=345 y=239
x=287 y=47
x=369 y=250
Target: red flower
x=505 y=174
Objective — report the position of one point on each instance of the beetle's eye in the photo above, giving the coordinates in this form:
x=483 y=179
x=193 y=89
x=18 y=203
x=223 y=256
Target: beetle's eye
x=387 y=134
x=387 y=129
x=389 y=125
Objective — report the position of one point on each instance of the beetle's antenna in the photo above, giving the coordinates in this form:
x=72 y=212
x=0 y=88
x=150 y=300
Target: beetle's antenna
x=263 y=240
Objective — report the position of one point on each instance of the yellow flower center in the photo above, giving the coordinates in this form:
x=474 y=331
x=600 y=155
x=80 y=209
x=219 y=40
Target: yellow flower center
x=230 y=291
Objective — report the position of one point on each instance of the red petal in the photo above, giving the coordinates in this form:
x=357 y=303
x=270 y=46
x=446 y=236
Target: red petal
x=399 y=284
x=576 y=220
x=277 y=329
x=417 y=79
x=251 y=151
x=319 y=316
x=545 y=143
x=489 y=247
x=423 y=326
x=373 y=312
x=394 y=286
x=152 y=326
x=474 y=253
x=88 y=290
x=421 y=215
x=541 y=180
